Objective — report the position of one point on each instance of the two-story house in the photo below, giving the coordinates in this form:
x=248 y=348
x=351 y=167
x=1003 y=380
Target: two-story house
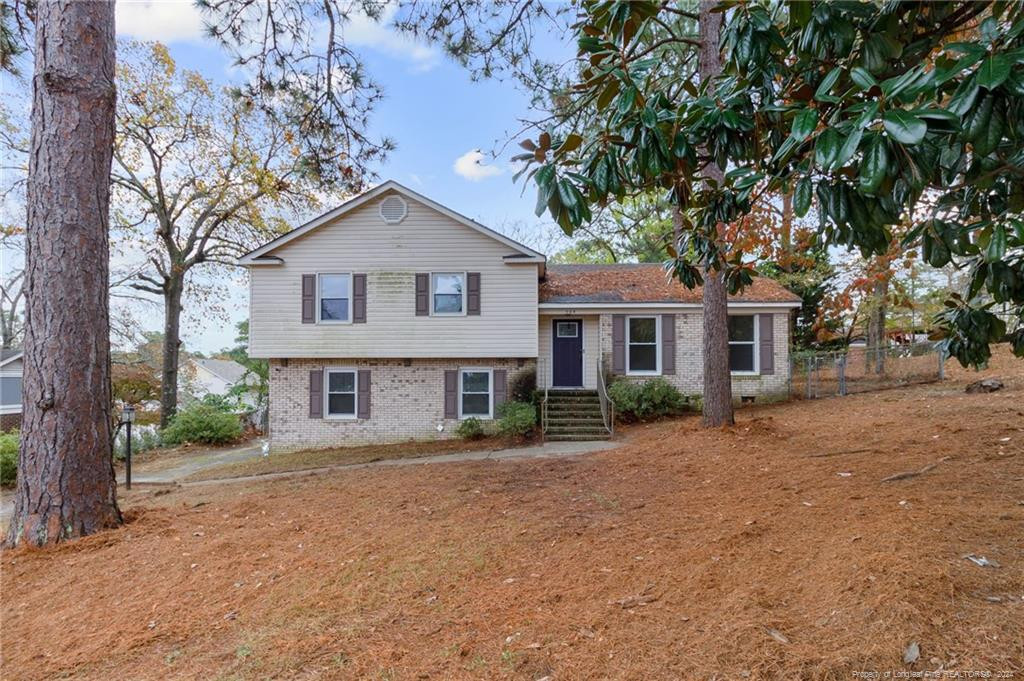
x=393 y=317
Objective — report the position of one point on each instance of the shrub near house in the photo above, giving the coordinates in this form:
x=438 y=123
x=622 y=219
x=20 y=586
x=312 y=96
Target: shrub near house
x=202 y=423
x=9 y=458
x=645 y=401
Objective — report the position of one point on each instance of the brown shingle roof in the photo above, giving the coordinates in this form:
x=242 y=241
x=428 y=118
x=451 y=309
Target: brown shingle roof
x=640 y=283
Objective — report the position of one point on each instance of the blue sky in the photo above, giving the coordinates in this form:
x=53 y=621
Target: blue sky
x=436 y=114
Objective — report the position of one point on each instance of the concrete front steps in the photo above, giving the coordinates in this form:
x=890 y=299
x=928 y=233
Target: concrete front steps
x=575 y=415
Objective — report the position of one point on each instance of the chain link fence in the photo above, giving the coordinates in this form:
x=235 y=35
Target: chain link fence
x=858 y=370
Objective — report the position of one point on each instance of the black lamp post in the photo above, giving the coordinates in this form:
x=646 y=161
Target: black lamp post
x=127 y=417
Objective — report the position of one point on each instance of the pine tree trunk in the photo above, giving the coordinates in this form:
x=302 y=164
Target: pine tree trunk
x=786 y=233
x=876 y=327
x=172 y=345
x=66 y=486
x=717 y=379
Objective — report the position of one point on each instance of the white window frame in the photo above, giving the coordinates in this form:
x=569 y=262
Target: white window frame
x=657 y=346
x=490 y=392
x=756 y=343
x=576 y=325
x=327 y=393
x=319 y=289
x=465 y=294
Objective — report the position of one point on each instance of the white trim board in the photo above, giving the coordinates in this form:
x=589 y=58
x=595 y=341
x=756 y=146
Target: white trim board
x=12 y=358
x=253 y=257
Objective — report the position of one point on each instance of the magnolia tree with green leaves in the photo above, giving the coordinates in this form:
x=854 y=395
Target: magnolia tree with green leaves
x=873 y=115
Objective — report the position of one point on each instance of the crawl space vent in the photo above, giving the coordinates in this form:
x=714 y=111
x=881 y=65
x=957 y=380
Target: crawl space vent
x=393 y=210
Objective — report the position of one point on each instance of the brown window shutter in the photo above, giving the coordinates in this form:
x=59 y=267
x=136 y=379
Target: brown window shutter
x=473 y=293
x=668 y=344
x=422 y=295
x=363 y=388
x=451 y=394
x=316 y=394
x=500 y=388
x=618 y=343
x=309 y=299
x=358 y=298
x=766 y=343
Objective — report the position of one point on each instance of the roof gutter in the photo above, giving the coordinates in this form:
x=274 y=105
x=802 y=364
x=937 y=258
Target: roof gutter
x=663 y=305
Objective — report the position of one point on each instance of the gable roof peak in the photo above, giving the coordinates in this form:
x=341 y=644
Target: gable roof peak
x=262 y=255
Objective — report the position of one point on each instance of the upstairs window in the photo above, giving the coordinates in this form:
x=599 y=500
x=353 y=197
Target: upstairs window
x=642 y=345
x=340 y=393
x=335 y=298
x=475 y=393
x=742 y=344
x=448 y=292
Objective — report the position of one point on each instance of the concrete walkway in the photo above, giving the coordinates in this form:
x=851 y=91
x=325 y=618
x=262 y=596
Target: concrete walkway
x=545 y=451
x=159 y=473
x=176 y=473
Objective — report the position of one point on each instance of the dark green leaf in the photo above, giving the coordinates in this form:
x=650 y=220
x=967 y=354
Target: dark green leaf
x=804 y=124
x=875 y=164
x=993 y=71
x=826 y=148
x=802 y=197
x=963 y=99
x=862 y=78
x=904 y=127
x=826 y=85
x=997 y=244
x=849 y=148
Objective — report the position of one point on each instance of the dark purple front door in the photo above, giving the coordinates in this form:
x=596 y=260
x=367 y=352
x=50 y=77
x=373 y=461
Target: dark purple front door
x=567 y=353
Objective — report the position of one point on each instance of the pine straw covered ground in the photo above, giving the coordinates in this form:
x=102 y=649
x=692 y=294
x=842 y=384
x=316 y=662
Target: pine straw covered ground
x=771 y=550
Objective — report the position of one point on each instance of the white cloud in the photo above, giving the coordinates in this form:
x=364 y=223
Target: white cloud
x=163 y=20
x=470 y=166
x=362 y=31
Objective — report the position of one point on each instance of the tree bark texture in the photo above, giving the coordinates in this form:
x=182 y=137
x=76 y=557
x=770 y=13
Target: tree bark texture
x=66 y=486
x=786 y=234
x=173 y=290
x=717 y=379
x=876 y=328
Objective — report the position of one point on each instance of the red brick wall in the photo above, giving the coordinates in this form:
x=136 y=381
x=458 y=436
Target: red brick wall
x=9 y=421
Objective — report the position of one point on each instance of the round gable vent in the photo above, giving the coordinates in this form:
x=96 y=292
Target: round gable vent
x=393 y=210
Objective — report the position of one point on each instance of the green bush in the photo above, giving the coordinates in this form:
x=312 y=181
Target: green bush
x=470 y=429
x=523 y=387
x=646 y=401
x=627 y=397
x=516 y=419
x=9 y=457
x=220 y=402
x=144 y=438
x=202 y=423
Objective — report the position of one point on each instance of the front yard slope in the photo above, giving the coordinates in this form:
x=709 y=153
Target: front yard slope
x=770 y=550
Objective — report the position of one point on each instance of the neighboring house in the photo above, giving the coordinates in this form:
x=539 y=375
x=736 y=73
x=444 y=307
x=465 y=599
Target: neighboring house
x=214 y=377
x=10 y=389
x=393 y=317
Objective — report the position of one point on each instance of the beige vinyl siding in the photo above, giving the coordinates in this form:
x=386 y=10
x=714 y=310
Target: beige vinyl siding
x=391 y=255
x=591 y=348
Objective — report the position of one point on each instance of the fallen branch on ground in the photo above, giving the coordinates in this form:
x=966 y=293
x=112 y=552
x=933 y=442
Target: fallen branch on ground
x=840 y=452
x=913 y=474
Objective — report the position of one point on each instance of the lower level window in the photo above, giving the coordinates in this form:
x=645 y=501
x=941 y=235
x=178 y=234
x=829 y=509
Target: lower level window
x=642 y=342
x=341 y=392
x=475 y=393
x=742 y=341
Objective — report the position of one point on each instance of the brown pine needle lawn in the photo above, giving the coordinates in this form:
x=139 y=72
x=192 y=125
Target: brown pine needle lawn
x=683 y=554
